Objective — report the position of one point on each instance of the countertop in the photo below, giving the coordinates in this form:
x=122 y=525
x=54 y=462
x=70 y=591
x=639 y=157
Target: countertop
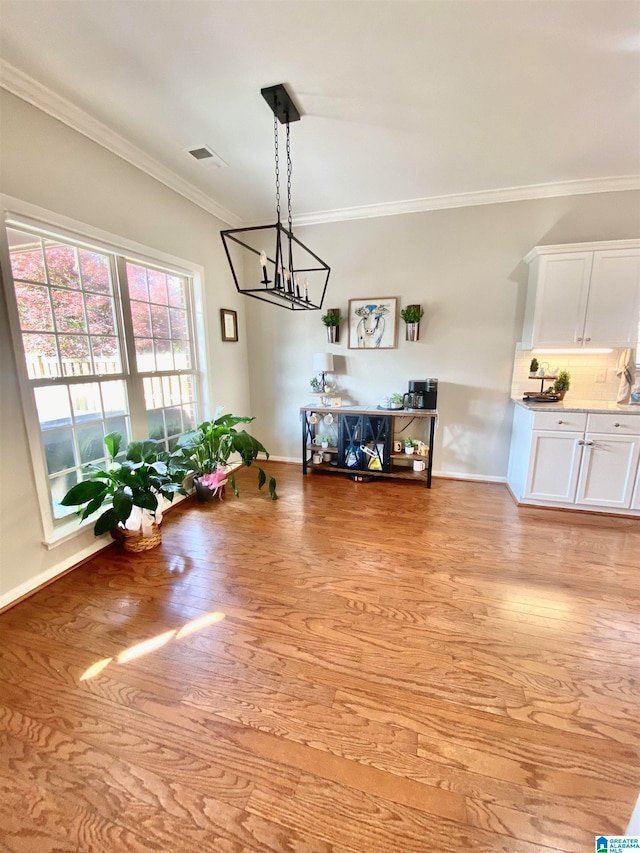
x=569 y=405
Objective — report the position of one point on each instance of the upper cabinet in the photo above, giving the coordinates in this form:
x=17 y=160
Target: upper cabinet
x=583 y=295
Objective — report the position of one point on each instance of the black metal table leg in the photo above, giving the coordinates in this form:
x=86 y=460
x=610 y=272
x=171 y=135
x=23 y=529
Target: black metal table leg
x=432 y=432
x=305 y=429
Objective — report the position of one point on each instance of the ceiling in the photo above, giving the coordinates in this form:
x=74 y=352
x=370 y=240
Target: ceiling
x=405 y=105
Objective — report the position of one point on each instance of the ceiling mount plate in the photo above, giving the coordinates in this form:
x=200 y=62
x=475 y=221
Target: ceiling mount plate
x=281 y=104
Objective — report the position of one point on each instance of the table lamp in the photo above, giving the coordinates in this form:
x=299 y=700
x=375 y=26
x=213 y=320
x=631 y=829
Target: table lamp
x=323 y=364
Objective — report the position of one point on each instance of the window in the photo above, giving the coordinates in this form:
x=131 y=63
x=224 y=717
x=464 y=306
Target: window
x=108 y=345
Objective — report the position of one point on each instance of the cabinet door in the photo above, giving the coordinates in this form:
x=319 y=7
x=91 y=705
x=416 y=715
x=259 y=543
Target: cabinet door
x=635 y=501
x=554 y=462
x=561 y=299
x=614 y=296
x=608 y=471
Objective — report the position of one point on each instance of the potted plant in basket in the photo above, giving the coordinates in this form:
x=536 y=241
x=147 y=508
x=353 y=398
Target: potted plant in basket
x=206 y=451
x=412 y=315
x=130 y=489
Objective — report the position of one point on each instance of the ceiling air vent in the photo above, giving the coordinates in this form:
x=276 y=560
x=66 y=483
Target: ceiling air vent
x=206 y=157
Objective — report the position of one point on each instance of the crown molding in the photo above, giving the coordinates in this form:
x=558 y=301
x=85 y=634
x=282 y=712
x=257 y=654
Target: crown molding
x=499 y=196
x=28 y=89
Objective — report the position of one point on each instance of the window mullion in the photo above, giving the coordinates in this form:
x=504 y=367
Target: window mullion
x=135 y=386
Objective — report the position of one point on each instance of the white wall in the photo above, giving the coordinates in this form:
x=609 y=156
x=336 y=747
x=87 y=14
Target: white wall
x=47 y=164
x=465 y=267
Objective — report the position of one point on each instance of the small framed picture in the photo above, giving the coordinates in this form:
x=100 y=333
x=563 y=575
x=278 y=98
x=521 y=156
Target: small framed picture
x=229 y=324
x=372 y=323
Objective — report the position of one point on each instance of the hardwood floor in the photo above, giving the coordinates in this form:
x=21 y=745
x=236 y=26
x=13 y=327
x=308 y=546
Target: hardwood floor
x=356 y=668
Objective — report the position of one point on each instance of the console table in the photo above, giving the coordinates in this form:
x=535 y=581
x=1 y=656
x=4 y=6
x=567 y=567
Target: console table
x=362 y=441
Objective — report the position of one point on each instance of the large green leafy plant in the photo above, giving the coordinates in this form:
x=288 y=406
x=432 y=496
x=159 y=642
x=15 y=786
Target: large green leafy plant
x=145 y=473
x=207 y=449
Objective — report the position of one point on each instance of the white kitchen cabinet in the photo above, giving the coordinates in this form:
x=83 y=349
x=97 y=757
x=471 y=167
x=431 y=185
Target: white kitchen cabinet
x=608 y=470
x=635 y=502
x=583 y=295
x=578 y=459
x=554 y=465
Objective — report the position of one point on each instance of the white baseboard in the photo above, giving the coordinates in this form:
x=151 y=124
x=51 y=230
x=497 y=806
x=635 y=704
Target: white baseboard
x=474 y=478
x=30 y=585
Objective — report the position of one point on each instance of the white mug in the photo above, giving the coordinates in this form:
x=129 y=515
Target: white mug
x=397 y=447
x=419 y=465
x=317 y=458
x=326 y=457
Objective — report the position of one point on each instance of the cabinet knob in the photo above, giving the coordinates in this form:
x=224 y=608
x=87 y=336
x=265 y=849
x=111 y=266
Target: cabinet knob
x=578 y=339
x=589 y=443
x=560 y=422
x=616 y=425
x=587 y=339
x=581 y=443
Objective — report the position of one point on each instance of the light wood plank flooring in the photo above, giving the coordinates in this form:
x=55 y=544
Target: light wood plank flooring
x=356 y=668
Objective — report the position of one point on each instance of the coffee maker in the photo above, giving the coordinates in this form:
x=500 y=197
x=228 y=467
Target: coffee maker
x=422 y=394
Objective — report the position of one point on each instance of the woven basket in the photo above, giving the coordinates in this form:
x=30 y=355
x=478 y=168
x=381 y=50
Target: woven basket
x=134 y=541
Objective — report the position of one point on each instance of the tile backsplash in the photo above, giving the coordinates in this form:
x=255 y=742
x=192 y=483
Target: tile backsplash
x=583 y=370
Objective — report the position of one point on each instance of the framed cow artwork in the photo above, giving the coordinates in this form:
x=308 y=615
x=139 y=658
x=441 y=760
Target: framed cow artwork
x=373 y=323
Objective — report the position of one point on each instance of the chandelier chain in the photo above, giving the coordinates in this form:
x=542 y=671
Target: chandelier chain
x=289 y=170
x=275 y=133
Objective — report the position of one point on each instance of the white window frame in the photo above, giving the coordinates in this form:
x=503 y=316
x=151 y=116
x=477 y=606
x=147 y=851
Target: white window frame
x=17 y=213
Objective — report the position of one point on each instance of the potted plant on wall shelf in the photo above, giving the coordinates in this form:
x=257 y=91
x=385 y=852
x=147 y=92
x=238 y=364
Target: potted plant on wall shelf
x=131 y=490
x=412 y=315
x=533 y=368
x=331 y=321
x=206 y=451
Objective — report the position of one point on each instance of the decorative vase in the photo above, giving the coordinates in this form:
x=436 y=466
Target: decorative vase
x=412 y=332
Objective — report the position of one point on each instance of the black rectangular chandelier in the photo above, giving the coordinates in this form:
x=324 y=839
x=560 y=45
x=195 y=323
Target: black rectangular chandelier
x=270 y=262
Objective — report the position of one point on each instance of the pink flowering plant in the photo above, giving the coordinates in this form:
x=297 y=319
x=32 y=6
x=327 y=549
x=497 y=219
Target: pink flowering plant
x=207 y=449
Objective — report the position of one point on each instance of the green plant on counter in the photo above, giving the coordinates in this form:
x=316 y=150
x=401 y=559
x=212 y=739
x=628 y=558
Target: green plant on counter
x=331 y=319
x=316 y=385
x=533 y=367
x=408 y=442
x=412 y=313
x=563 y=381
x=395 y=399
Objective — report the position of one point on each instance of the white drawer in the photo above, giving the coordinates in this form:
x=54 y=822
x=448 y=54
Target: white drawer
x=619 y=423
x=563 y=421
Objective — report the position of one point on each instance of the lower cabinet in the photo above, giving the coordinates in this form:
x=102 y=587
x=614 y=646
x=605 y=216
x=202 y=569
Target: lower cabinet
x=586 y=460
x=554 y=466
x=608 y=470
x=635 y=503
